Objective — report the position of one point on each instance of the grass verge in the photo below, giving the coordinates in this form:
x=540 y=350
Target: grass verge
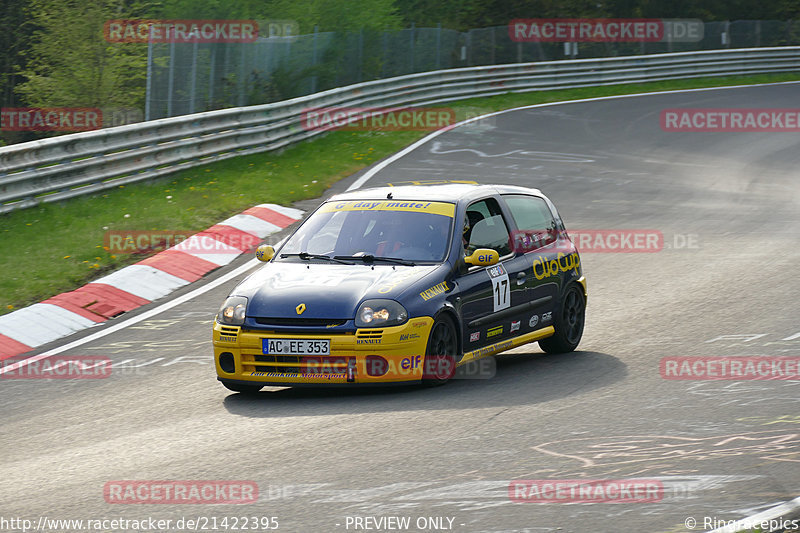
x=54 y=248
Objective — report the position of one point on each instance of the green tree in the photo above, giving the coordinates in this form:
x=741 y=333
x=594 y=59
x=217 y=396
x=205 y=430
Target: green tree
x=464 y=15
x=70 y=63
x=328 y=15
x=15 y=31
x=336 y=15
x=211 y=9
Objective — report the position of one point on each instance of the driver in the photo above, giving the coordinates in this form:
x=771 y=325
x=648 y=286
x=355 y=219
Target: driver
x=391 y=236
x=465 y=234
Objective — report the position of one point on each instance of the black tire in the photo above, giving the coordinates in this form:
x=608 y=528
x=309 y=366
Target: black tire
x=441 y=353
x=568 y=323
x=244 y=389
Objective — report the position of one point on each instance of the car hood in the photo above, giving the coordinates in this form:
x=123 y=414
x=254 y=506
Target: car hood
x=329 y=291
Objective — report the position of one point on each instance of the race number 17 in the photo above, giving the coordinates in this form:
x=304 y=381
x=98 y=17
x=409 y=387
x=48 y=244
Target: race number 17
x=500 y=294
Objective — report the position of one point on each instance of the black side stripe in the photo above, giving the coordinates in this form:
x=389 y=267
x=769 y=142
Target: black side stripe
x=517 y=309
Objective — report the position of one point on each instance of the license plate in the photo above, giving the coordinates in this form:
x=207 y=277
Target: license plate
x=295 y=347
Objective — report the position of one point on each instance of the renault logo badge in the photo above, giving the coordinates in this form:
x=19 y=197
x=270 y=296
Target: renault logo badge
x=300 y=308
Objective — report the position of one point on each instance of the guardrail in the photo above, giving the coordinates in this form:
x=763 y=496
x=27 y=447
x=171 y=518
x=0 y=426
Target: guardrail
x=73 y=165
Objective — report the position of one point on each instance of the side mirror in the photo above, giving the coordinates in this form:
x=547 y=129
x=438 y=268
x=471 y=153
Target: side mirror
x=483 y=257
x=265 y=252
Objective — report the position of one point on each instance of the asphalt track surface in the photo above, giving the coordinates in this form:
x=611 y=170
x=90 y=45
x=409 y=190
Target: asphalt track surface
x=725 y=284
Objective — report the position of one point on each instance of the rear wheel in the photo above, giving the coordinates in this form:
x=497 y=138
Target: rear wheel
x=568 y=323
x=441 y=353
x=240 y=387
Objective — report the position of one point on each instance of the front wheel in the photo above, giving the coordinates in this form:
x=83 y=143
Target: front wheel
x=568 y=323
x=441 y=353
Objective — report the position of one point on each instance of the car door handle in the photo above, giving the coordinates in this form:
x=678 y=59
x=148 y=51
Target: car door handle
x=521 y=278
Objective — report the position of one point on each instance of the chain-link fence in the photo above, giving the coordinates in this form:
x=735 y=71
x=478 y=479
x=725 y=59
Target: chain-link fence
x=186 y=78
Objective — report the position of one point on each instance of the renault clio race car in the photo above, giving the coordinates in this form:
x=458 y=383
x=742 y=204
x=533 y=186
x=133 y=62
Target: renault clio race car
x=401 y=285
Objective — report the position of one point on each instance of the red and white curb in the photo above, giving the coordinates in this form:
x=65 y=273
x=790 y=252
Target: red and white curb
x=141 y=283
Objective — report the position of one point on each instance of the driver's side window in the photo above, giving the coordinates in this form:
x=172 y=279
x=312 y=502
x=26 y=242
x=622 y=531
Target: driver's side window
x=484 y=227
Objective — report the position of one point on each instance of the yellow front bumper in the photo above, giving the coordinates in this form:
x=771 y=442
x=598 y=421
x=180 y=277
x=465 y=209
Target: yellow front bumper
x=351 y=359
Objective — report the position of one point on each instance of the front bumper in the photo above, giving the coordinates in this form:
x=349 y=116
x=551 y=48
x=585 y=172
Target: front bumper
x=368 y=356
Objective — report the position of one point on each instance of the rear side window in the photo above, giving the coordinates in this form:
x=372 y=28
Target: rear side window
x=535 y=222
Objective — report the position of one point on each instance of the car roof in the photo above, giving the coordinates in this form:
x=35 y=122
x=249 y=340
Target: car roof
x=450 y=192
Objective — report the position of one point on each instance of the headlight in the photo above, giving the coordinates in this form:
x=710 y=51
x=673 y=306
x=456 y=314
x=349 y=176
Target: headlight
x=380 y=313
x=232 y=311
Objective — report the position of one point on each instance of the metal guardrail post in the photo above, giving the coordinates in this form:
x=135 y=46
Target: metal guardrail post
x=149 y=90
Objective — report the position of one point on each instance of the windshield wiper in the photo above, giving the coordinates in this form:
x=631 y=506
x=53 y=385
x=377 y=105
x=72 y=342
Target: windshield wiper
x=369 y=258
x=306 y=256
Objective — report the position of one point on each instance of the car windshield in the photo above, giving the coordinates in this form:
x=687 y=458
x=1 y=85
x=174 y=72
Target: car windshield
x=417 y=232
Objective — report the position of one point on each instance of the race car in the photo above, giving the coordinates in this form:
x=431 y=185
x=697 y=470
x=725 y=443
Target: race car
x=400 y=285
